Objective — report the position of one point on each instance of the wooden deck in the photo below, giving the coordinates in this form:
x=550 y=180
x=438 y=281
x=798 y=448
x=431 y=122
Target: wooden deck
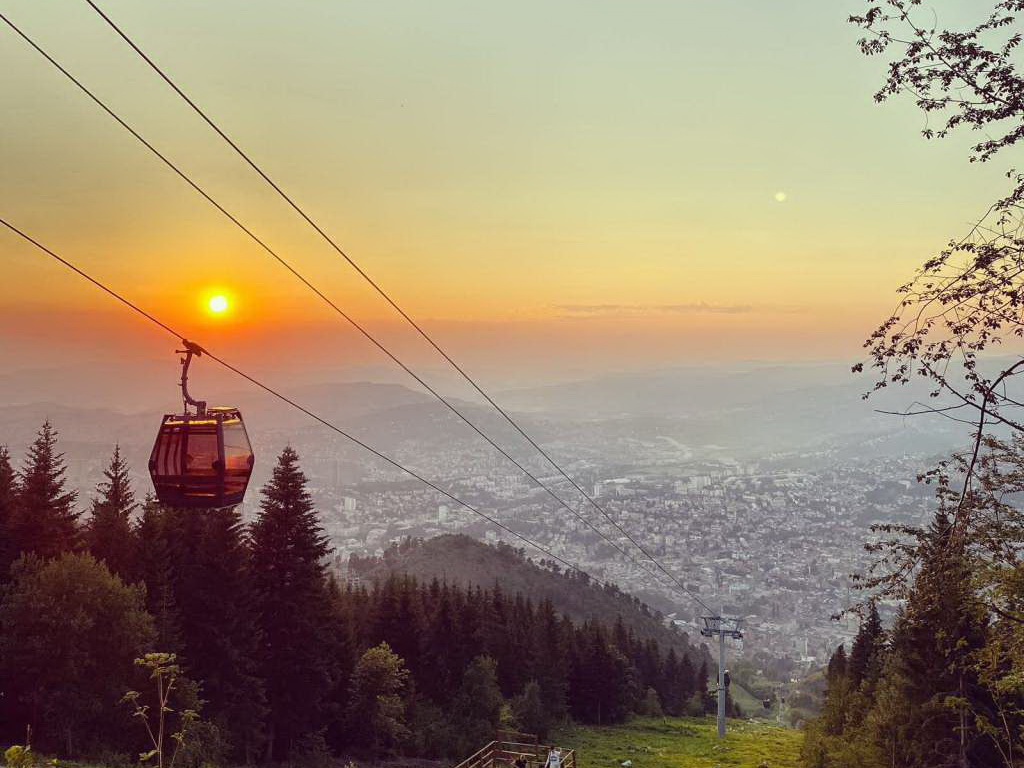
x=509 y=747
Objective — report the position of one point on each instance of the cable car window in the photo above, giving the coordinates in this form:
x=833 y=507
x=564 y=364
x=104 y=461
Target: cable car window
x=237 y=457
x=201 y=455
x=237 y=451
x=168 y=452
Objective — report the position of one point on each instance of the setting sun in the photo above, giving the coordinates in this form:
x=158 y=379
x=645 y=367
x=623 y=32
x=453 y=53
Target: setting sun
x=218 y=304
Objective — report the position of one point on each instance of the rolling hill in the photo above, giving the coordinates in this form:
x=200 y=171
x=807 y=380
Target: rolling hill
x=462 y=560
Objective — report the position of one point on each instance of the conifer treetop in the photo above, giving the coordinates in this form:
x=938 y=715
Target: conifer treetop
x=115 y=491
x=42 y=477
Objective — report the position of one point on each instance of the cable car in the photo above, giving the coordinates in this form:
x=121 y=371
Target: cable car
x=201 y=459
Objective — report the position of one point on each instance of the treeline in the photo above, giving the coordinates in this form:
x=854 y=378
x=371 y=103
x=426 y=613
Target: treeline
x=280 y=661
x=463 y=560
x=543 y=664
x=944 y=686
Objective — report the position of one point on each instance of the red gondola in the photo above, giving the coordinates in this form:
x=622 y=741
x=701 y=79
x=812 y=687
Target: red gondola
x=202 y=459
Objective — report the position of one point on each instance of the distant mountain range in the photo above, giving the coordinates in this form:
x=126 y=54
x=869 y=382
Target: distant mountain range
x=682 y=391
x=742 y=411
x=753 y=408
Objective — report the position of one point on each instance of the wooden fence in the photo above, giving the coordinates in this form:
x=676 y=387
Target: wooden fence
x=509 y=747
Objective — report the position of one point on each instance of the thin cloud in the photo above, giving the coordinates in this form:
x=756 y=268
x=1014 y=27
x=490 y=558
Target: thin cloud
x=613 y=310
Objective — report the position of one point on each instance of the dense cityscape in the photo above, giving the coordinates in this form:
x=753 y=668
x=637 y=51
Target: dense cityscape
x=773 y=540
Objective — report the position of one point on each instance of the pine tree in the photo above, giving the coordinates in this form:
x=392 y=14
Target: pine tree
x=8 y=499
x=687 y=681
x=647 y=659
x=552 y=667
x=864 y=666
x=153 y=566
x=621 y=637
x=837 y=694
x=464 y=645
x=703 y=676
x=517 y=662
x=931 y=690
x=292 y=606
x=108 y=533
x=890 y=729
x=675 y=686
x=492 y=629
x=45 y=522
x=439 y=678
x=650 y=704
x=601 y=689
x=345 y=605
x=213 y=592
x=531 y=712
x=864 y=654
x=397 y=620
x=476 y=712
x=836 y=665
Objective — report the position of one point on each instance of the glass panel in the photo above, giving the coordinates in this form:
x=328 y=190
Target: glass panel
x=167 y=451
x=237 y=457
x=202 y=454
x=174 y=452
x=159 y=449
x=237 y=452
x=168 y=439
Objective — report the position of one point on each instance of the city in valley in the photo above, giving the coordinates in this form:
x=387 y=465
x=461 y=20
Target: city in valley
x=774 y=541
x=759 y=499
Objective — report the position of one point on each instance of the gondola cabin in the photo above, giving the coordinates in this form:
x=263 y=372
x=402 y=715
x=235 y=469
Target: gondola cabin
x=201 y=460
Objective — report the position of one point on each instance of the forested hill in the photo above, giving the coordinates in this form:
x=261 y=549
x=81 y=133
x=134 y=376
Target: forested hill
x=272 y=659
x=462 y=560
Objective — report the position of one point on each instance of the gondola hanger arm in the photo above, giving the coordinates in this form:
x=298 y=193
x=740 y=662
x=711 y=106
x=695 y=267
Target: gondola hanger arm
x=191 y=349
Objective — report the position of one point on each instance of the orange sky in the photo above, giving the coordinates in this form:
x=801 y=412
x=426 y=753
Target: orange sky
x=583 y=187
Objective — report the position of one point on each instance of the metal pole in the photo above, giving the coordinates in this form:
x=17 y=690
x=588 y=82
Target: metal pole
x=717 y=625
x=721 y=683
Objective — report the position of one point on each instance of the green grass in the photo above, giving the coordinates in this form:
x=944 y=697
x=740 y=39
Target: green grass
x=751 y=706
x=682 y=743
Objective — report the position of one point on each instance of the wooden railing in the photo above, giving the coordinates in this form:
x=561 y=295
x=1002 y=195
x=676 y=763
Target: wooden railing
x=509 y=747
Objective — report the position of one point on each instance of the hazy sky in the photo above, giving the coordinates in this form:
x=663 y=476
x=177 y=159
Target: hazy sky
x=546 y=184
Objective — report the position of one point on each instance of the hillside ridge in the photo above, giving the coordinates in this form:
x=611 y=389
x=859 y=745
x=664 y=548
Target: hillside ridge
x=460 y=559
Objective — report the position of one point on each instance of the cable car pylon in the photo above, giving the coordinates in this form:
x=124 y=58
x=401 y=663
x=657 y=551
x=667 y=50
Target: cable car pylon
x=200 y=460
x=721 y=627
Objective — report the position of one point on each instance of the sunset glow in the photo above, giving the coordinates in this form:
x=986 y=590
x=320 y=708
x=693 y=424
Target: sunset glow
x=607 y=228
x=218 y=304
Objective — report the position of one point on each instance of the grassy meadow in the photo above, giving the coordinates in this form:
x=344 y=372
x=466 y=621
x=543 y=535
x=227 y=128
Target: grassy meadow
x=683 y=743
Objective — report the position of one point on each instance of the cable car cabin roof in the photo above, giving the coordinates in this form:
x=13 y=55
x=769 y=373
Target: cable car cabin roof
x=201 y=461
x=220 y=413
